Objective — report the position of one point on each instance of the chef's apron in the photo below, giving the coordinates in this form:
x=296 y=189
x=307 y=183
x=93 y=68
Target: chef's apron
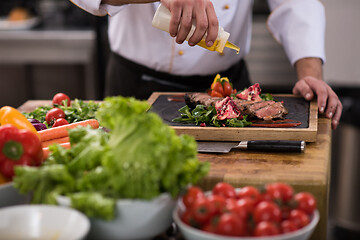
x=127 y=78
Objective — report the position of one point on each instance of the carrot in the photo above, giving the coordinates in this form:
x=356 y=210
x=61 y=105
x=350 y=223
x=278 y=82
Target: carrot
x=62 y=131
x=46 y=150
x=56 y=140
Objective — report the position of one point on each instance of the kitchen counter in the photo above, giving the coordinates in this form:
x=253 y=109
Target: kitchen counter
x=308 y=171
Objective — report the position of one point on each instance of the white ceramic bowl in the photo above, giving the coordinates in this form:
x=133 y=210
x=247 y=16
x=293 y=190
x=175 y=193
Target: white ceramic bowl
x=191 y=233
x=135 y=219
x=42 y=222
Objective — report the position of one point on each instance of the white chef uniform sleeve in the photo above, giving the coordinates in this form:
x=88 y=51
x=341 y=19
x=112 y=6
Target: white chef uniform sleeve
x=96 y=8
x=299 y=25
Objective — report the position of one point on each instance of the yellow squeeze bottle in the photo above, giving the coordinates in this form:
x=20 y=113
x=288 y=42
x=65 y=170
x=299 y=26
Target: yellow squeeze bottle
x=161 y=21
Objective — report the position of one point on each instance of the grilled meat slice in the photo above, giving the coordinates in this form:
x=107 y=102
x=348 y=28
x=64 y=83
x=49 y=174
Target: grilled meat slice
x=251 y=108
x=272 y=111
x=193 y=99
x=266 y=110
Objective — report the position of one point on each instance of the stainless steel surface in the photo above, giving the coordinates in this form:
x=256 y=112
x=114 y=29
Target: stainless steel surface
x=243 y=145
x=52 y=47
x=303 y=146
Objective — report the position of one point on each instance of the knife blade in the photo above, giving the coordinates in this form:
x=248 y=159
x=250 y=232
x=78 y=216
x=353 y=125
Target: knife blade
x=258 y=145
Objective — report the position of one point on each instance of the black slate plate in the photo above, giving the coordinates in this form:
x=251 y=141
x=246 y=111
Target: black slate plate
x=168 y=110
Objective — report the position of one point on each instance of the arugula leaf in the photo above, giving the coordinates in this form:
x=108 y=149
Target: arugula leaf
x=267 y=97
x=201 y=114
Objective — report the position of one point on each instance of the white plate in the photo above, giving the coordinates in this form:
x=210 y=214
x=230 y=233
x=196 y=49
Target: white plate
x=5 y=24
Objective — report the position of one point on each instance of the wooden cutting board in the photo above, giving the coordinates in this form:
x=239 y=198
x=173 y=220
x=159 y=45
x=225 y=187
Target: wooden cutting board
x=167 y=105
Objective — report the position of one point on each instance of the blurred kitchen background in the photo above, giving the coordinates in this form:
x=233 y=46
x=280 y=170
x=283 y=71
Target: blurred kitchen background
x=61 y=48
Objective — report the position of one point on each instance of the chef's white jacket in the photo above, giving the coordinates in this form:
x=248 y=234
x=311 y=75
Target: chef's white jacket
x=299 y=25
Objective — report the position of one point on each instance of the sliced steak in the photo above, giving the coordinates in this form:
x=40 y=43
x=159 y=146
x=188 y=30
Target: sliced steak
x=193 y=99
x=251 y=108
x=266 y=110
x=272 y=111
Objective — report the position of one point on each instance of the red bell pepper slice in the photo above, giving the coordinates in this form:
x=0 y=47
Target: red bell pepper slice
x=18 y=147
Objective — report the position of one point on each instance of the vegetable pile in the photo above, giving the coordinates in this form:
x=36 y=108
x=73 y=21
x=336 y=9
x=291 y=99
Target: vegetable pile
x=139 y=158
x=62 y=112
x=248 y=211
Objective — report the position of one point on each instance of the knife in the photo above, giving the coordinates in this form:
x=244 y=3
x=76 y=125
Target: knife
x=258 y=145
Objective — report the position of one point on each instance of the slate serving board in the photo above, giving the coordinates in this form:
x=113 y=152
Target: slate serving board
x=299 y=110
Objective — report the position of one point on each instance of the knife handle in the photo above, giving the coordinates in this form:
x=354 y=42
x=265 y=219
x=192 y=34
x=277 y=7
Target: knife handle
x=275 y=145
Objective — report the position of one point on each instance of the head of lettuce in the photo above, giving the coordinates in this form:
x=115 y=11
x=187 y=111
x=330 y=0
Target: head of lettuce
x=139 y=158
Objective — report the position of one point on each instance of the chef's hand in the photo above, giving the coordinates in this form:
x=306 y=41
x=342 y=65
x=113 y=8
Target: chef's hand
x=311 y=85
x=182 y=14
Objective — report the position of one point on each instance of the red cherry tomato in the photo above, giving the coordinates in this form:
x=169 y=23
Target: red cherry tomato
x=218 y=88
x=240 y=210
x=227 y=88
x=209 y=227
x=267 y=211
x=224 y=189
x=59 y=122
x=202 y=210
x=306 y=202
x=250 y=192
x=247 y=203
x=54 y=114
x=219 y=202
x=287 y=226
x=299 y=217
x=230 y=225
x=266 y=228
x=280 y=191
x=59 y=98
x=191 y=195
x=189 y=219
x=214 y=93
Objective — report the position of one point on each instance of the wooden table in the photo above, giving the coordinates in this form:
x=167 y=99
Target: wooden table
x=309 y=171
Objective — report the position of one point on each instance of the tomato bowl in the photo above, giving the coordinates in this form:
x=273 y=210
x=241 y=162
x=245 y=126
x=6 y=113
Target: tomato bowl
x=274 y=211
x=191 y=233
x=135 y=219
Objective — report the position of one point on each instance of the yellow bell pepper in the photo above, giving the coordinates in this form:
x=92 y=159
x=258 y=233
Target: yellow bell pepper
x=9 y=115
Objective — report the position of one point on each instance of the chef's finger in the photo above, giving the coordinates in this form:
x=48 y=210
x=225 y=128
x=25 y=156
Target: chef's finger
x=303 y=89
x=201 y=24
x=320 y=88
x=186 y=22
x=176 y=11
x=213 y=24
x=337 y=116
x=332 y=103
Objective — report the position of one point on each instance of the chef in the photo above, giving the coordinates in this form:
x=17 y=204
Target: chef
x=145 y=59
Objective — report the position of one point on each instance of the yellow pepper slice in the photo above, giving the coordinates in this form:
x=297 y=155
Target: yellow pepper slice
x=10 y=115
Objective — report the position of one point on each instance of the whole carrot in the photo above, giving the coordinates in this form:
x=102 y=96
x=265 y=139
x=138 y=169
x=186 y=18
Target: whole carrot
x=56 y=140
x=62 y=131
x=46 y=150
